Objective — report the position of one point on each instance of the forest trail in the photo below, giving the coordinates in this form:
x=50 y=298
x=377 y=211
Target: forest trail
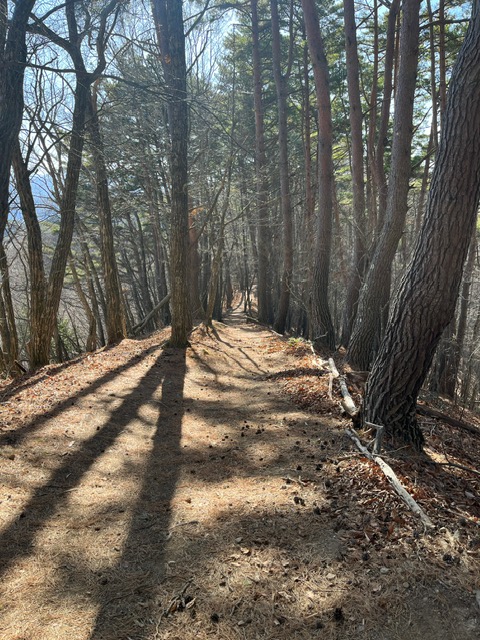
x=153 y=493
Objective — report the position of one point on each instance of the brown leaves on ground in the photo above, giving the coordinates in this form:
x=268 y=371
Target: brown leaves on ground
x=152 y=493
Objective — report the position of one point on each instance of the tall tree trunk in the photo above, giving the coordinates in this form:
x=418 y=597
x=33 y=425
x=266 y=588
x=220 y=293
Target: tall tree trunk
x=454 y=335
x=38 y=282
x=13 y=54
x=91 y=343
x=425 y=303
x=284 y=171
x=115 y=320
x=322 y=325
x=309 y=230
x=433 y=79
x=375 y=293
x=43 y=331
x=359 y=222
x=379 y=162
x=372 y=186
x=9 y=330
x=263 y=235
x=168 y=18
x=194 y=263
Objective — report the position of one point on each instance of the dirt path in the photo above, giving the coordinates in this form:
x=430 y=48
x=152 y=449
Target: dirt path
x=153 y=493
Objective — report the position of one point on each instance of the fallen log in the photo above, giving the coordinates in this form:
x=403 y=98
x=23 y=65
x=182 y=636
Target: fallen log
x=394 y=481
x=138 y=327
x=453 y=422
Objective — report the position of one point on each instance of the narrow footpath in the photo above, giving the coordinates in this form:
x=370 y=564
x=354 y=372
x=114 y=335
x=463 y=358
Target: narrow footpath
x=152 y=493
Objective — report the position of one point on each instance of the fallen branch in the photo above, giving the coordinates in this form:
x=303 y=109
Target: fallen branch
x=20 y=366
x=347 y=403
x=453 y=422
x=459 y=466
x=317 y=361
x=393 y=480
x=138 y=327
x=253 y=320
x=333 y=368
x=333 y=374
x=380 y=430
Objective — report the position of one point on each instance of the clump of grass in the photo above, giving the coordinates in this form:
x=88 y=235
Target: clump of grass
x=296 y=341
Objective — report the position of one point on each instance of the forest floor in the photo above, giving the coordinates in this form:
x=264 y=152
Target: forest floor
x=151 y=493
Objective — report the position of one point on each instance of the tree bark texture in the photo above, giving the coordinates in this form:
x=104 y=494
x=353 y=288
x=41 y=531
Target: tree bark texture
x=375 y=292
x=322 y=326
x=425 y=303
x=168 y=18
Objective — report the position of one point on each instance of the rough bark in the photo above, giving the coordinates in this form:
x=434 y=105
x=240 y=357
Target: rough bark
x=426 y=299
x=322 y=326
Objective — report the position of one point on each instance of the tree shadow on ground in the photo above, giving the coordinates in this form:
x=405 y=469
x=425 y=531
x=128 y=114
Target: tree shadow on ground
x=18 y=538
x=263 y=568
x=141 y=566
x=17 y=435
